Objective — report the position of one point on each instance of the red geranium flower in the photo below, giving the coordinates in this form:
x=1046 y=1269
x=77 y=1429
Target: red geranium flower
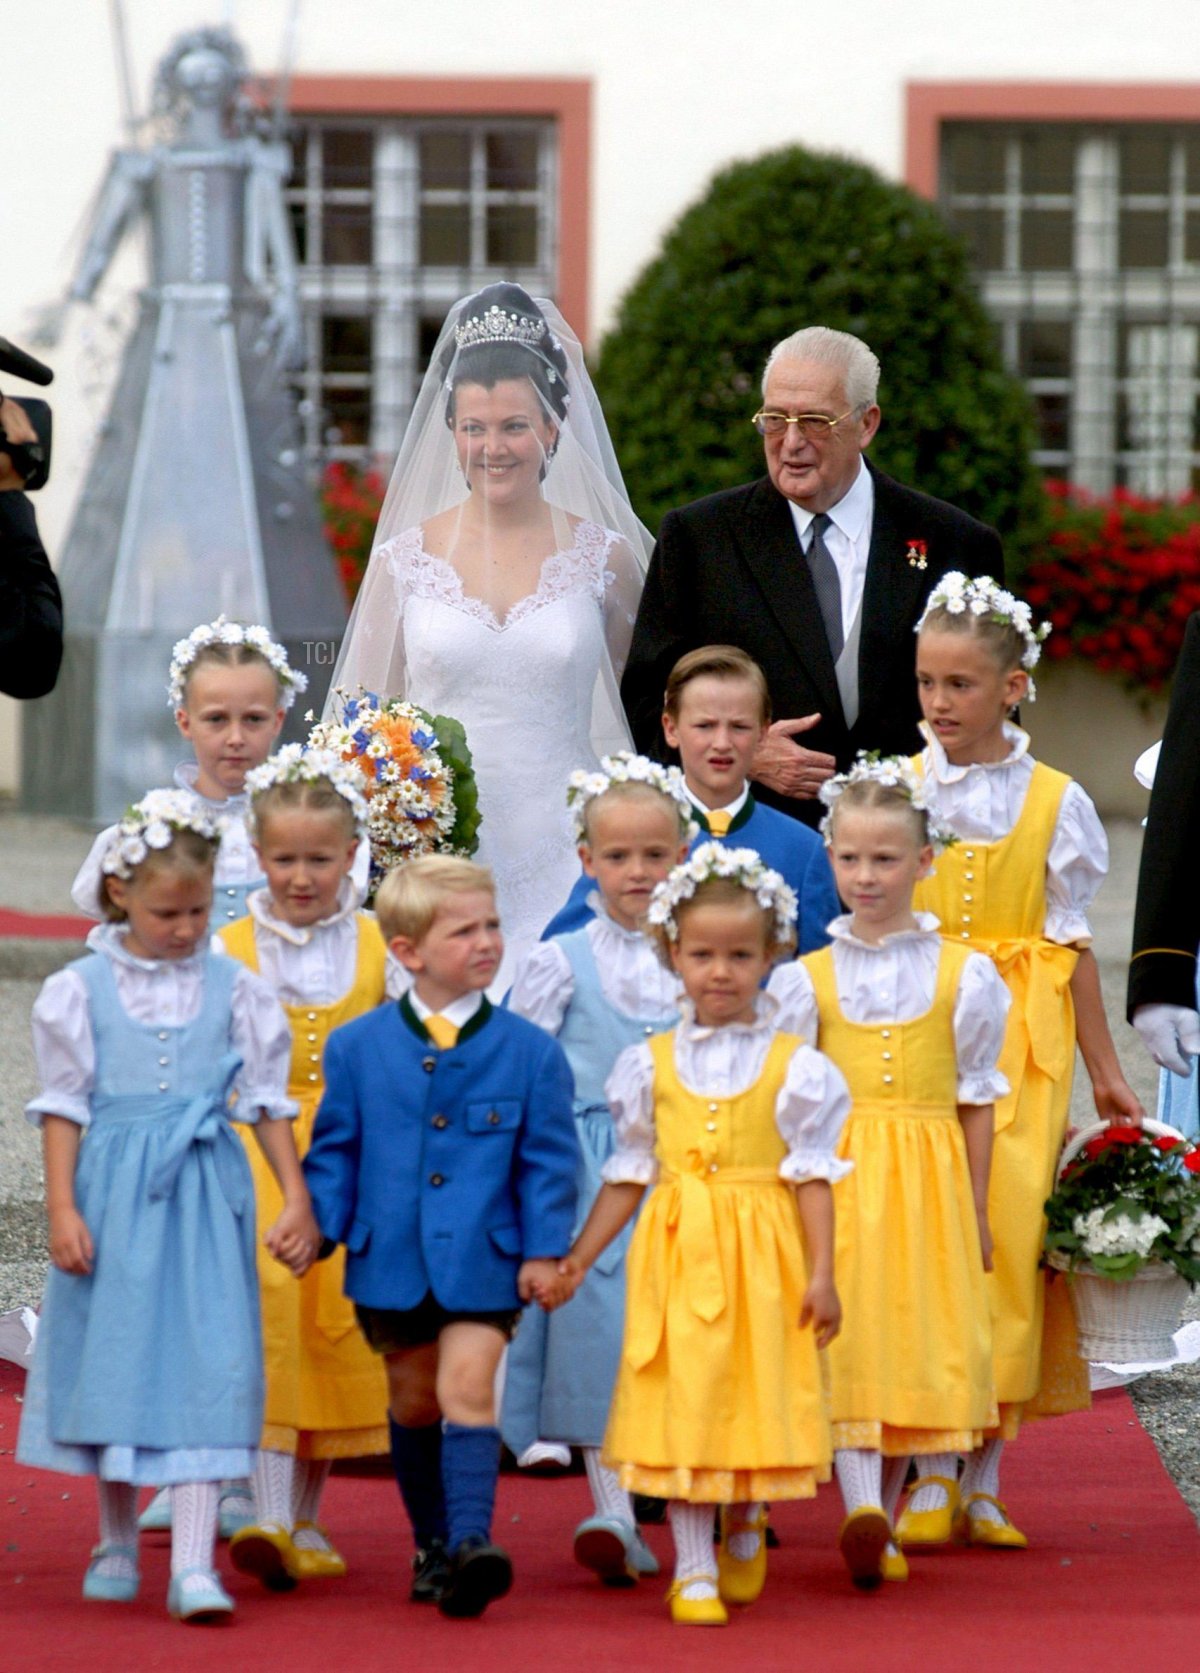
x=1192 y=1161
x=1125 y=1135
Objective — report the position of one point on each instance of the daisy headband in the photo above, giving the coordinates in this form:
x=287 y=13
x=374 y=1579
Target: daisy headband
x=893 y=772
x=743 y=866
x=225 y=632
x=978 y=595
x=151 y=824
x=294 y=764
x=627 y=768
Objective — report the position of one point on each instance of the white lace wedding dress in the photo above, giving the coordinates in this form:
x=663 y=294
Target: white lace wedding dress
x=523 y=688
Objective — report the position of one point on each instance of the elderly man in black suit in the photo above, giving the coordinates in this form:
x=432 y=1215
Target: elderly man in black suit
x=819 y=570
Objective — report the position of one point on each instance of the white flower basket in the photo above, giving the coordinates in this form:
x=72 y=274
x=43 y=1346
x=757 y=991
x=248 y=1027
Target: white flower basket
x=1124 y=1321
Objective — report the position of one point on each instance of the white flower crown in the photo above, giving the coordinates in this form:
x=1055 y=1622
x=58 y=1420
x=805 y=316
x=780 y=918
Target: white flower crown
x=957 y=593
x=743 y=866
x=627 y=768
x=225 y=632
x=895 y=772
x=151 y=823
x=294 y=764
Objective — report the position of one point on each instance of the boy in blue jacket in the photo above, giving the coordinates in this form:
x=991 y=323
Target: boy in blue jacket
x=444 y=1158
x=716 y=712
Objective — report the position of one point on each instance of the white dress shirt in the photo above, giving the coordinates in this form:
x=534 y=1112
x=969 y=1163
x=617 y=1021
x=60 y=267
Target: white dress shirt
x=847 y=539
x=459 y=1011
x=894 y=981
x=316 y=964
x=810 y=1110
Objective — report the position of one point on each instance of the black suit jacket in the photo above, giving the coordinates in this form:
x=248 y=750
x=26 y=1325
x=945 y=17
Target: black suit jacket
x=31 y=622
x=730 y=570
x=1166 y=923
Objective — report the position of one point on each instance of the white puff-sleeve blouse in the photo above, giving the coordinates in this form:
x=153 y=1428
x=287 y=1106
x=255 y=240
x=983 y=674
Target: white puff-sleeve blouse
x=810 y=1109
x=632 y=977
x=164 y=993
x=895 y=981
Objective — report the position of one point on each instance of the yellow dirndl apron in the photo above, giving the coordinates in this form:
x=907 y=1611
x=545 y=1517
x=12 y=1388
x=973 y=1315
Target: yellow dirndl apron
x=911 y=1371
x=991 y=896
x=719 y=1397
x=326 y=1392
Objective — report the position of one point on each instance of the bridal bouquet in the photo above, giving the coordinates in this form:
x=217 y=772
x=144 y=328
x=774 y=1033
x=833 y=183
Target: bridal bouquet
x=1125 y=1200
x=416 y=773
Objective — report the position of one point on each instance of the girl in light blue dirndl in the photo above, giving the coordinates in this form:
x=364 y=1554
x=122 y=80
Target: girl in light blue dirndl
x=148 y=1362
x=598 y=990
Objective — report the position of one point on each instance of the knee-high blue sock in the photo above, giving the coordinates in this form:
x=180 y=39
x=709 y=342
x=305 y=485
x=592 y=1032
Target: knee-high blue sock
x=470 y=1465
x=417 y=1464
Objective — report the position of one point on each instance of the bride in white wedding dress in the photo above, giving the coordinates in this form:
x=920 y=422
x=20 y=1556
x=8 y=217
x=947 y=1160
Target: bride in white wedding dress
x=504 y=583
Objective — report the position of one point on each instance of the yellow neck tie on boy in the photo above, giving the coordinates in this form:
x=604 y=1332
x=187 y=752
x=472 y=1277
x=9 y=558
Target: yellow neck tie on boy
x=441 y=1031
x=719 y=821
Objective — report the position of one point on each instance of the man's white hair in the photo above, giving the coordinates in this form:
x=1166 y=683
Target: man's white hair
x=848 y=355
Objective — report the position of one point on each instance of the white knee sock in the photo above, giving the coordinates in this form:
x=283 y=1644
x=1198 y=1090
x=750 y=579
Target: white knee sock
x=194 y=1525
x=895 y=1471
x=934 y=1463
x=118 y=1526
x=311 y=1474
x=608 y=1496
x=692 y=1530
x=744 y=1543
x=981 y=1474
x=859 y=1475
x=274 y=1474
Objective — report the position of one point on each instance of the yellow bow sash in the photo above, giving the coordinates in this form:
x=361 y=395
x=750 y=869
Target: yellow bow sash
x=1037 y=973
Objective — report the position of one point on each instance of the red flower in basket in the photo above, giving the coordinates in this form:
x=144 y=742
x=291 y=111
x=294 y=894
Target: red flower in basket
x=1124 y=1135
x=1192 y=1161
x=1166 y=1145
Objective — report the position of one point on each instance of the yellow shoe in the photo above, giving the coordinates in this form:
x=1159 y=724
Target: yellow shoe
x=929 y=1527
x=893 y=1564
x=982 y=1530
x=317 y=1563
x=862 y=1542
x=265 y=1550
x=741 y=1580
x=695 y=1611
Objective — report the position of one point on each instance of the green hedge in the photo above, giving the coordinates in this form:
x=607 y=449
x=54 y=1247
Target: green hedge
x=789 y=239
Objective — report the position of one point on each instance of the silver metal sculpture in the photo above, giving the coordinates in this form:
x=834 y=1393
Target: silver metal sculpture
x=196 y=500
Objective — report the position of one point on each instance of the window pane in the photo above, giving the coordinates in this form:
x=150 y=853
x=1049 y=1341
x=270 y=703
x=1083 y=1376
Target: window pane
x=974 y=160
x=983 y=230
x=298 y=215
x=1053 y=413
x=512 y=162
x=1044 y=349
x=348 y=412
x=299 y=168
x=347 y=154
x=511 y=235
x=445 y=159
x=1143 y=238
x=1191 y=153
x=348 y=240
x=1191 y=238
x=429 y=329
x=1145 y=158
x=1047 y=239
x=346 y=342
x=1048 y=161
x=445 y=234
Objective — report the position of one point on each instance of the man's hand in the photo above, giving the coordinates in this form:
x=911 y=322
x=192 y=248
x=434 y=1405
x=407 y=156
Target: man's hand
x=788 y=768
x=15 y=425
x=1171 y=1034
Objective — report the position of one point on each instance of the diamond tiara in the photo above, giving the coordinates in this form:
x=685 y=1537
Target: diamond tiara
x=499 y=326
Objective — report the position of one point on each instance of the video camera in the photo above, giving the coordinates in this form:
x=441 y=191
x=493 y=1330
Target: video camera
x=31 y=459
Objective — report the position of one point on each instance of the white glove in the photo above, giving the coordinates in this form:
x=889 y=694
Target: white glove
x=1171 y=1034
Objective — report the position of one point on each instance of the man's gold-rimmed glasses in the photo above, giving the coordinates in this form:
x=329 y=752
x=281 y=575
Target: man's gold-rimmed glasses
x=811 y=426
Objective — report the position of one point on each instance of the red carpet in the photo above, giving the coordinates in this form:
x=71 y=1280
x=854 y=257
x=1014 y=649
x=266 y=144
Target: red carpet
x=1111 y=1582
x=44 y=926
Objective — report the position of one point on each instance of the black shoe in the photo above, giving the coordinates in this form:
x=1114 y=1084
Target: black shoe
x=649 y=1512
x=430 y=1570
x=479 y=1572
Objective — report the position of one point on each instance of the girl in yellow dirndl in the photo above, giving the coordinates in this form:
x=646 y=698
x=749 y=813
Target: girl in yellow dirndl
x=1017 y=885
x=326 y=1395
x=733 y=1127
x=916 y=1025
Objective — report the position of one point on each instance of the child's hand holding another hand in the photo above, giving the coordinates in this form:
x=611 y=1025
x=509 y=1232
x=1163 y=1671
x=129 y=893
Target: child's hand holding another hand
x=295 y=1237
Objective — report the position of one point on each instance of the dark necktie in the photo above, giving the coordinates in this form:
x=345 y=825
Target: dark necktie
x=826 y=584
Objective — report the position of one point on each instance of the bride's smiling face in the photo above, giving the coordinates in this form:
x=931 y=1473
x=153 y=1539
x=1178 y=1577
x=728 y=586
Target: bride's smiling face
x=503 y=438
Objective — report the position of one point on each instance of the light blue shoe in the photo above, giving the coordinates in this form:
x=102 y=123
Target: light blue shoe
x=195 y=1594
x=237 y=1509
x=641 y=1558
x=156 y=1518
x=111 y=1588
x=605 y=1545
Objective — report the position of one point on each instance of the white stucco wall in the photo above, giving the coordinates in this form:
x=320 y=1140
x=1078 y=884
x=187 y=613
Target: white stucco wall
x=680 y=87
